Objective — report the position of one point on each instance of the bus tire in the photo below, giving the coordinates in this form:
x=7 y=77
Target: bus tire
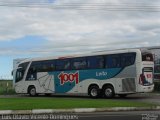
x=108 y=91
x=32 y=91
x=94 y=91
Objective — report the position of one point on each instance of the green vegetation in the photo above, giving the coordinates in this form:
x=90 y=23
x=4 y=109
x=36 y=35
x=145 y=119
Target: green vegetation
x=28 y=103
x=6 y=87
x=62 y=103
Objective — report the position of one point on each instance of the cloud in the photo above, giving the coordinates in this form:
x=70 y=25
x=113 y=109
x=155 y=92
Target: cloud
x=72 y=30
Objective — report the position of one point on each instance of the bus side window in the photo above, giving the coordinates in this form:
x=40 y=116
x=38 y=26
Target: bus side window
x=31 y=75
x=63 y=64
x=32 y=72
x=113 y=61
x=48 y=66
x=100 y=62
x=67 y=65
x=127 y=59
x=95 y=62
x=79 y=63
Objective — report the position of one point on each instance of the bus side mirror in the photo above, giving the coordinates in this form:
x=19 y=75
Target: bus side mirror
x=12 y=73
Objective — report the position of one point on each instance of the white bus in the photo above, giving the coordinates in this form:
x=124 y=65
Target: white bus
x=105 y=73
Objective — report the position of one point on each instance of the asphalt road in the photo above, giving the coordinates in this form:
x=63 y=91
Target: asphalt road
x=145 y=97
x=133 y=115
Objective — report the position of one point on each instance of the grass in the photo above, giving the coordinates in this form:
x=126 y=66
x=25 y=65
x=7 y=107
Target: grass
x=63 y=103
x=28 y=103
x=4 y=89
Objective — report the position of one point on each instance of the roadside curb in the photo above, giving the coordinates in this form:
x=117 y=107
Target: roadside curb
x=77 y=110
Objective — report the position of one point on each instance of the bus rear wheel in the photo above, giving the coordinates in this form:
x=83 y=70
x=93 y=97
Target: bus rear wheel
x=32 y=91
x=94 y=91
x=108 y=91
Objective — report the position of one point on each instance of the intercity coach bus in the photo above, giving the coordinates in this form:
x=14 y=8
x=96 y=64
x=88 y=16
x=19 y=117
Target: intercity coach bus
x=105 y=73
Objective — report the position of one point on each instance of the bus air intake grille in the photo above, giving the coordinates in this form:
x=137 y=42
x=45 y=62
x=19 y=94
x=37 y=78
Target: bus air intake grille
x=128 y=85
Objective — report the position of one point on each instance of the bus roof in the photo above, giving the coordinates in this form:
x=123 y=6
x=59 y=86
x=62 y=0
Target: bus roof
x=82 y=55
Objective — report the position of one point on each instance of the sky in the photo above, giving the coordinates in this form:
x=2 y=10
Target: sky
x=41 y=28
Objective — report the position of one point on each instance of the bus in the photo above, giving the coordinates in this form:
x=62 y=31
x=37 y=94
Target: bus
x=103 y=73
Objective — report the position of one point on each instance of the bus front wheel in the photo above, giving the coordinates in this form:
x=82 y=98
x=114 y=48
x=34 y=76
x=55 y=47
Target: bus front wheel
x=32 y=91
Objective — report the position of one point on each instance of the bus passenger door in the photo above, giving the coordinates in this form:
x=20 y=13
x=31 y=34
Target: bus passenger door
x=46 y=82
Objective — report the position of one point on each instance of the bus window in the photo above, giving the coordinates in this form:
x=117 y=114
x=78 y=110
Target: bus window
x=113 y=61
x=95 y=62
x=79 y=63
x=147 y=56
x=23 y=65
x=34 y=67
x=19 y=74
x=127 y=59
x=20 y=71
x=43 y=66
x=48 y=66
x=32 y=72
x=63 y=64
x=157 y=69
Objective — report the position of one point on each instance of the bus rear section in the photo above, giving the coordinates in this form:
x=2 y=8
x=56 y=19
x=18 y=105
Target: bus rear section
x=146 y=71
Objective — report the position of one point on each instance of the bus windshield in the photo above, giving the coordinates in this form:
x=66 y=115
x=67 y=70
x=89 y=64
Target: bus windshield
x=19 y=74
x=20 y=71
